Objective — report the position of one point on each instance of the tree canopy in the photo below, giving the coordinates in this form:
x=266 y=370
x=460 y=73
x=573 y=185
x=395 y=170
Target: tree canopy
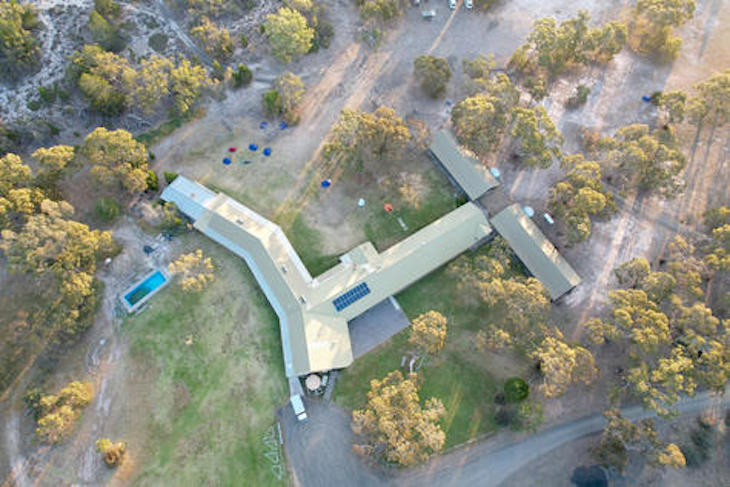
x=360 y=136
x=711 y=101
x=285 y=97
x=536 y=139
x=112 y=85
x=57 y=413
x=394 y=420
x=620 y=436
x=116 y=158
x=380 y=11
x=194 y=269
x=428 y=331
x=288 y=33
x=673 y=342
x=216 y=41
x=479 y=122
x=19 y=47
x=434 y=74
x=580 y=196
x=551 y=48
x=637 y=157
x=651 y=29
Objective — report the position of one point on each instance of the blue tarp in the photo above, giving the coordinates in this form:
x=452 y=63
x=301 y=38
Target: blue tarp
x=263 y=125
x=282 y=125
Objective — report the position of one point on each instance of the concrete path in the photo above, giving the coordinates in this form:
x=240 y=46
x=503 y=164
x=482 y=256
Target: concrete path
x=320 y=451
x=376 y=325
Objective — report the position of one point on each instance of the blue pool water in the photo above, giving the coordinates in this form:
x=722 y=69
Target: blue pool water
x=145 y=287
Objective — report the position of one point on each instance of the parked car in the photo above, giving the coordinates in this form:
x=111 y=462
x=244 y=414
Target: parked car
x=452 y=4
x=428 y=14
x=469 y=4
x=298 y=406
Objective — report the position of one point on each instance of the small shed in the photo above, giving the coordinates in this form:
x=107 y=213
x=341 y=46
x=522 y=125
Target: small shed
x=464 y=170
x=533 y=248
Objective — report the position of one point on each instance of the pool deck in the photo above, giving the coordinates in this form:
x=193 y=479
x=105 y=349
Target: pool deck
x=132 y=308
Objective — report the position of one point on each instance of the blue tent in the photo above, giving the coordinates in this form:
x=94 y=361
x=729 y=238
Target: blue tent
x=226 y=161
x=263 y=125
x=253 y=147
x=267 y=151
x=282 y=125
x=326 y=183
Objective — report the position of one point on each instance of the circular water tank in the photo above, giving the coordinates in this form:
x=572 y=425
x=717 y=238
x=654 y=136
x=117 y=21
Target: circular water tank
x=529 y=211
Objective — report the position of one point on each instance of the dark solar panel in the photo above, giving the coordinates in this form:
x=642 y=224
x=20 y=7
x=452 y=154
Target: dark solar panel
x=344 y=300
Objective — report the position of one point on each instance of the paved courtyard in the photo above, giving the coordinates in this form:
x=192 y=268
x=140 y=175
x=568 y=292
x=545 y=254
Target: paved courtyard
x=375 y=326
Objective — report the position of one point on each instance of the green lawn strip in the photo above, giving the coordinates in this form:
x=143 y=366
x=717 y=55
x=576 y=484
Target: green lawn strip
x=230 y=393
x=307 y=241
x=169 y=126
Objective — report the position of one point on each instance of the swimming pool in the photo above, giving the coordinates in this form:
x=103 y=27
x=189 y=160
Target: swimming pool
x=142 y=291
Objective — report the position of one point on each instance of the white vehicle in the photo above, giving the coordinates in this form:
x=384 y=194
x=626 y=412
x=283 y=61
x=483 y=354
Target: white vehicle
x=452 y=4
x=468 y=4
x=428 y=14
x=298 y=406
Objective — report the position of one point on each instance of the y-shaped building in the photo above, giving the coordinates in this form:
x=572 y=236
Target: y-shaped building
x=313 y=312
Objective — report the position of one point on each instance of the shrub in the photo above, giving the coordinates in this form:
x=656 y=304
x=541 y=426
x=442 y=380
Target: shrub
x=107 y=208
x=153 y=183
x=242 y=76
x=323 y=34
x=516 y=389
x=34 y=105
x=500 y=399
x=579 y=98
x=272 y=105
x=169 y=176
x=503 y=417
x=158 y=42
x=244 y=41
x=113 y=452
x=48 y=95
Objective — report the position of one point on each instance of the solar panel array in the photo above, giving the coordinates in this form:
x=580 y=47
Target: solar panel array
x=344 y=300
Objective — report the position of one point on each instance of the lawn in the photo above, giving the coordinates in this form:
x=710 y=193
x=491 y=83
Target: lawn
x=459 y=376
x=207 y=377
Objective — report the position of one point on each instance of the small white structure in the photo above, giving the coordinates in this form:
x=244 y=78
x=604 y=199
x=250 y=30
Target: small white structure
x=298 y=406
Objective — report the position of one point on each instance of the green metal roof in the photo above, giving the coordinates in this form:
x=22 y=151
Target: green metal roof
x=315 y=336
x=469 y=173
x=538 y=254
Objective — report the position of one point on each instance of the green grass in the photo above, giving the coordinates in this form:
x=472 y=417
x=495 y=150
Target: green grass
x=205 y=406
x=151 y=136
x=383 y=230
x=458 y=375
x=308 y=243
